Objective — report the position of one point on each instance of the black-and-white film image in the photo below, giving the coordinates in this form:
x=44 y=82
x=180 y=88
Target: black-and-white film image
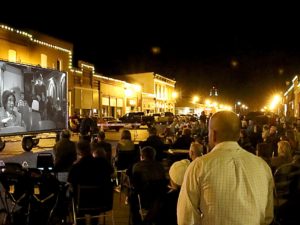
x=33 y=99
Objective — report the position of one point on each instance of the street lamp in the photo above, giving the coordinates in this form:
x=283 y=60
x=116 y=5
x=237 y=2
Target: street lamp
x=235 y=106
x=275 y=102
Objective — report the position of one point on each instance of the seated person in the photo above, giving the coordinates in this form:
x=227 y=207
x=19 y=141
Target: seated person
x=105 y=145
x=284 y=155
x=125 y=152
x=155 y=141
x=87 y=170
x=8 y=116
x=64 y=152
x=149 y=181
x=184 y=142
x=100 y=156
x=264 y=150
x=195 y=151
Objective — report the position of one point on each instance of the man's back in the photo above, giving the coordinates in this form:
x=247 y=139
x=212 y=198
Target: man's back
x=155 y=142
x=144 y=172
x=89 y=171
x=107 y=148
x=227 y=186
x=65 y=154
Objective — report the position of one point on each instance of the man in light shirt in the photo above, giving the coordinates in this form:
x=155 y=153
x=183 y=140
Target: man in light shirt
x=228 y=185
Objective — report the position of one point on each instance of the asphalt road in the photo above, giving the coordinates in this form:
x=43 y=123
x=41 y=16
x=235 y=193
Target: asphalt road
x=13 y=151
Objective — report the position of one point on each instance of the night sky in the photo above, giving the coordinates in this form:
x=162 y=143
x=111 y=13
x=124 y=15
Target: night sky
x=248 y=54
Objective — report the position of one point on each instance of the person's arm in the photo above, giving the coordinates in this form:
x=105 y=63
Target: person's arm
x=188 y=206
x=269 y=213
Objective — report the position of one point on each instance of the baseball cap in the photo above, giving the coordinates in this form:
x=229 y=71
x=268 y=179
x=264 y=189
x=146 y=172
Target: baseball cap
x=177 y=171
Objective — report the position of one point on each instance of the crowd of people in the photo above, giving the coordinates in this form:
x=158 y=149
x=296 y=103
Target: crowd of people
x=226 y=179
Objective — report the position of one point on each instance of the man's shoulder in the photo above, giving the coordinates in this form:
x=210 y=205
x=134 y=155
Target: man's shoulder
x=65 y=141
x=104 y=143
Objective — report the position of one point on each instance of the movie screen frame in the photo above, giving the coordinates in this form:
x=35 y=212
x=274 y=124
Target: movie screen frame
x=32 y=99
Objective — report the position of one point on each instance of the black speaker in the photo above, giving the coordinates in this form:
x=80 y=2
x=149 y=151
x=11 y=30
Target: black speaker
x=45 y=161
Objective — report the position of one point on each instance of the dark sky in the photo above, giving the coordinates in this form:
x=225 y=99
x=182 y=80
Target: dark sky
x=197 y=45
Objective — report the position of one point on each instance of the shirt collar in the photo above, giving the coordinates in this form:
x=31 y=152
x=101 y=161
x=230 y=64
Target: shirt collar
x=226 y=145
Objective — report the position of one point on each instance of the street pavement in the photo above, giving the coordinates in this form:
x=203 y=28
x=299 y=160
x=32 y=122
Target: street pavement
x=13 y=152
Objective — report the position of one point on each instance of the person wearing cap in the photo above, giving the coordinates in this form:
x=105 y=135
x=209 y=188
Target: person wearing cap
x=228 y=185
x=64 y=152
x=176 y=173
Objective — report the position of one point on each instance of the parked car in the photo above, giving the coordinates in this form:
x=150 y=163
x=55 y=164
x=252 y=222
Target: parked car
x=110 y=123
x=137 y=119
x=259 y=117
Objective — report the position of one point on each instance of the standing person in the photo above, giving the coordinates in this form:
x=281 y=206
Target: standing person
x=40 y=94
x=176 y=173
x=87 y=127
x=64 y=152
x=40 y=87
x=228 y=185
x=21 y=103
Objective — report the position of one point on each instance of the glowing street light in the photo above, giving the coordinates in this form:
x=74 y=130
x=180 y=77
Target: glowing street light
x=275 y=102
x=128 y=92
x=207 y=102
x=235 y=106
x=174 y=95
x=195 y=99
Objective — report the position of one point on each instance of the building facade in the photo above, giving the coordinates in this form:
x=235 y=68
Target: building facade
x=156 y=93
x=291 y=98
x=88 y=91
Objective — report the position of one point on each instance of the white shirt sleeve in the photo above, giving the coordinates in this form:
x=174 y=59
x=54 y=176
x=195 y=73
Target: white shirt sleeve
x=269 y=214
x=188 y=206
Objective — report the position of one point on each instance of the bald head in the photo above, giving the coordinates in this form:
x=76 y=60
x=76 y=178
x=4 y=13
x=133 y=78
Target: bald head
x=223 y=126
x=196 y=150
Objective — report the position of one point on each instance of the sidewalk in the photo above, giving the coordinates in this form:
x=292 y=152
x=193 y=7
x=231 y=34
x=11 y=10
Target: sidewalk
x=120 y=210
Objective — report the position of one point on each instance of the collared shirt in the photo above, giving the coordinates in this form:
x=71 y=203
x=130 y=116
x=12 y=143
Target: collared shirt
x=226 y=186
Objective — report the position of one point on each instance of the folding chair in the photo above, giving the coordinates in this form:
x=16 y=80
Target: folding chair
x=283 y=178
x=45 y=190
x=16 y=191
x=150 y=200
x=125 y=160
x=92 y=202
x=45 y=161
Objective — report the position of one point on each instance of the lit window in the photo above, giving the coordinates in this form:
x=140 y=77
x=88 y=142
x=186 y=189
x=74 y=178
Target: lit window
x=12 y=55
x=44 y=60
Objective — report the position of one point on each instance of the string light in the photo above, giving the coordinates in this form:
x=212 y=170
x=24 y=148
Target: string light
x=25 y=34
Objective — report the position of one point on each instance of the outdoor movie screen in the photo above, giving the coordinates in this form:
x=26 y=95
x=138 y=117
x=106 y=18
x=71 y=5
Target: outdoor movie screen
x=33 y=99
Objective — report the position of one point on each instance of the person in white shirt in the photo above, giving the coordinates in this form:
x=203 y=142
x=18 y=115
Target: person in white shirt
x=228 y=185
